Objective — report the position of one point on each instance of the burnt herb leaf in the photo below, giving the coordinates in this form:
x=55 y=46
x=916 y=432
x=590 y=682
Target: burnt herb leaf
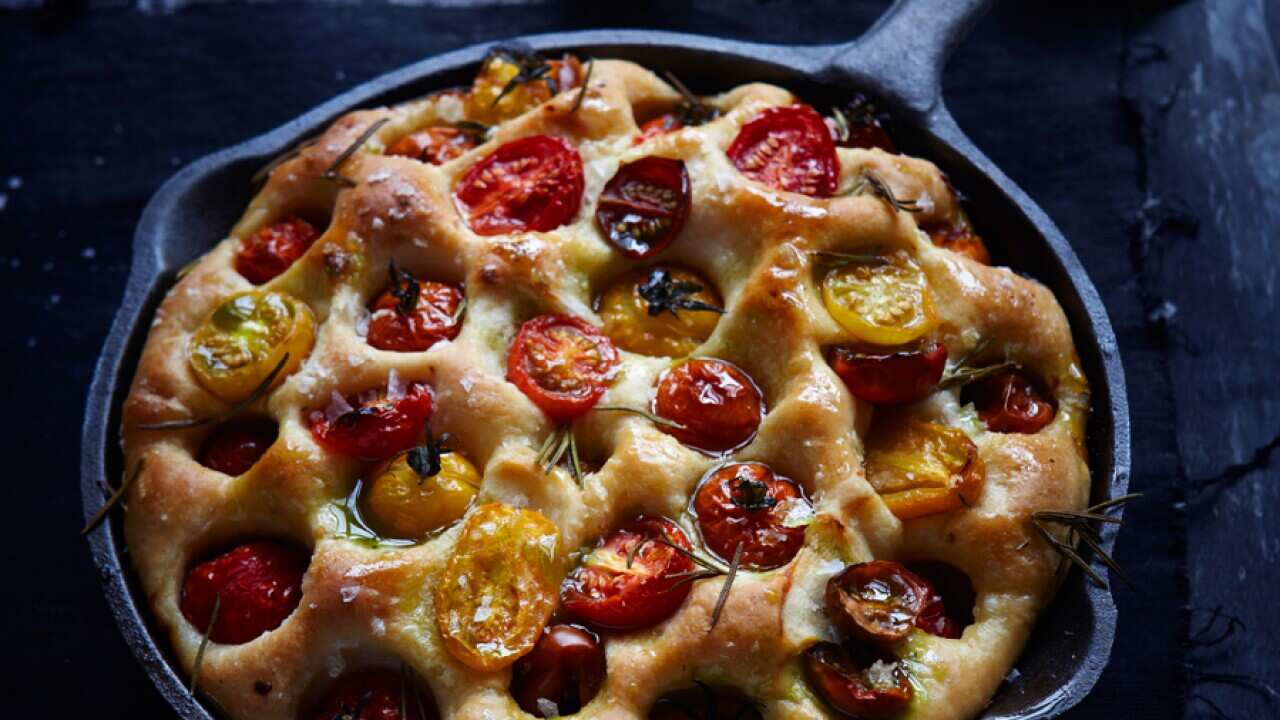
x=425 y=459
x=664 y=294
x=691 y=110
x=405 y=288
x=753 y=496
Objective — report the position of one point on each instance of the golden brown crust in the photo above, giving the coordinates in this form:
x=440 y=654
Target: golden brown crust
x=374 y=605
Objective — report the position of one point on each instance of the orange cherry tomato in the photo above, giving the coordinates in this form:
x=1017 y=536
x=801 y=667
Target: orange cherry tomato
x=373 y=426
x=644 y=205
x=563 y=672
x=857 y=683
x=563 y=364
x=877 y=602
x=234 y=447
x=661 y=311
x=891 y=378
x=271 y=250
x=922 y=468
x=412 y=314
x=434 y=145
x=374 y=694
x=514 y=80
x=605 y=592
x=1013 y=402
x=716 y=404
x=960 y=239
x=533 y=184
x=749 y=504
x=255 y=586
x=498 y=590
x=788 y=148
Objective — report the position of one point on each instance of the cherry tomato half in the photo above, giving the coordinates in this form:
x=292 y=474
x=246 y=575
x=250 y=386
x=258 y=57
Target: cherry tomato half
x=376 y=695
x=921 y=468
x=876 y=602
x=562 y=363
x=705 y=703
x=562 y=673
x=375 y=426
x=1013 y=402
x=234 y=447
x=949 y=609
x=416 y=325
x=716 y=403
x=857 y=684
x=661 y=125
x=486 y=102
x=662 y=311
x=271 y=250
x=788 y=148
x=605 y=593
x=245 y=337
x=533 y=184
x=499 y=588
x=434 y=145
x=749 y=504
x=891 y=378
x=863 y=126
x=885 y=303
x=400 y=503
x=644 y=206
x=256 y=586
x=960 y=239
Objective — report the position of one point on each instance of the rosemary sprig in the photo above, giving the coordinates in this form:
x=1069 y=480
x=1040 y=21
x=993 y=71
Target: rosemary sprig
x=664 y=294
x=839 y=258
x=559 y=444
x=480 y=130
x=655 y=419
x=961 y=375
x=709 y=570
x=265 y=171
x=236 y=409
x=1079 y=525
x=204 y=643
x=734 y=564
x=531 y=67
x=425 y=459
x=871 y=182
x=404 y=287
x=691 y=110
x=111 y=502
x=361 y=139
x=582 y=92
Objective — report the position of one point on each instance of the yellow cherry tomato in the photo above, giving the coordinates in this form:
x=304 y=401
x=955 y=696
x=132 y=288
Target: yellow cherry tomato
x=499 y=588
x=661 y=311
x=400 y=503
x=244 y=339
x=884 y=303
x=483 y=103
x=921 y=468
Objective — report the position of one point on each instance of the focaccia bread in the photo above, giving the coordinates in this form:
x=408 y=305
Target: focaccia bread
x=572 y=392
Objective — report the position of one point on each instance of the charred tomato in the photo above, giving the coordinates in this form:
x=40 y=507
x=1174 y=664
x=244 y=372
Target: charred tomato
x=255 y=586
x=748 y=504
x=1012 y=402
x=375 y=424
x=533 y=184
x=271 y=250
x=891 y=378
x=644 y=206
x=561 y=674
x=562 y=363
x=880 y=601
x=788 y=148
x=716 y=405
x=950 y=607
x=235 y=446
x=857 y=683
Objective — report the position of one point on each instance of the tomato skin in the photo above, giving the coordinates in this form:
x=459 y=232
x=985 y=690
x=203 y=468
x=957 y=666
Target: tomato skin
x=435 y=318
x=533 y=184
x=434 y=145
x=377 y=692
x=236 y=348
x=1013 y=402
x=376 y=428
x=566 y=667
x=563 y=364
x=877 y=602
x=718 y=404
x=844 y=681
x=892 y=378
x=257 y=585
x=234 y=447
x=643 y=207
x=788 y=148
x=271 y=250
x=603 y=593
x=748 y=503
x=661 y=125
x=888 y=303
x=960 y=239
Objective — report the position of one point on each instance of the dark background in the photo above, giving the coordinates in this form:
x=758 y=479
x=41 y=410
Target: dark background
x=1150 y=132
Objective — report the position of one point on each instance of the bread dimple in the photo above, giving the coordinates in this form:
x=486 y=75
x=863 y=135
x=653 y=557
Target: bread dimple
x=756 y=245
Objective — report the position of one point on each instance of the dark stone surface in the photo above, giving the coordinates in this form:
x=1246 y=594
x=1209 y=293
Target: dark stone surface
x=1149 y=134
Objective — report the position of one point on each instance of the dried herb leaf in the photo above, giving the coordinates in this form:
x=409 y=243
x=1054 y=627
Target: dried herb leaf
x=111 y=501
x=1080 y=529
x=236 y=409
x=961 y=375
x=839 y=258
x=728 y=585
x=531 y=67
x=265 y=171
x=582 y=92
x=404 y=287
x=361 y=139
x=559 y=444
x=425 y=459
x=656 y=420
x=663 y=294
x=871 y=182
x=691 y=110
x=204 y=643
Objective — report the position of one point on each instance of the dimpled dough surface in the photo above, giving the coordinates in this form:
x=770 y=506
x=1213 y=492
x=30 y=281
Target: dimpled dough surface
x=364 y=604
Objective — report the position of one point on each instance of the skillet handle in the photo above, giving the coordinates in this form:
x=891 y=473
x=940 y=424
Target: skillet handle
x=904 y=52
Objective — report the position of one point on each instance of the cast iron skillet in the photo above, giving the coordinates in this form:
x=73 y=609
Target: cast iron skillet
x=899 y=61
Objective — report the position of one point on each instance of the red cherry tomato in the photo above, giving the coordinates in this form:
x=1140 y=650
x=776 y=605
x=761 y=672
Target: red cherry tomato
x=661 y=125
x=949 y=609
x=605 y=593
x=893 y=378
x=234 y=447
x=531 y=184
x=1012 y=402
x=788 y=148
x=748 y=504
x=373 y=695
x=717 y=405
x=375 y=427
x=431 y=318
x=878 y=602
x=255 y=585
x=565 y=668
x=857 y=684
x=434 y=145
x=562 y=363
x=644 y=205
x=271 y=250
x=864 y=126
